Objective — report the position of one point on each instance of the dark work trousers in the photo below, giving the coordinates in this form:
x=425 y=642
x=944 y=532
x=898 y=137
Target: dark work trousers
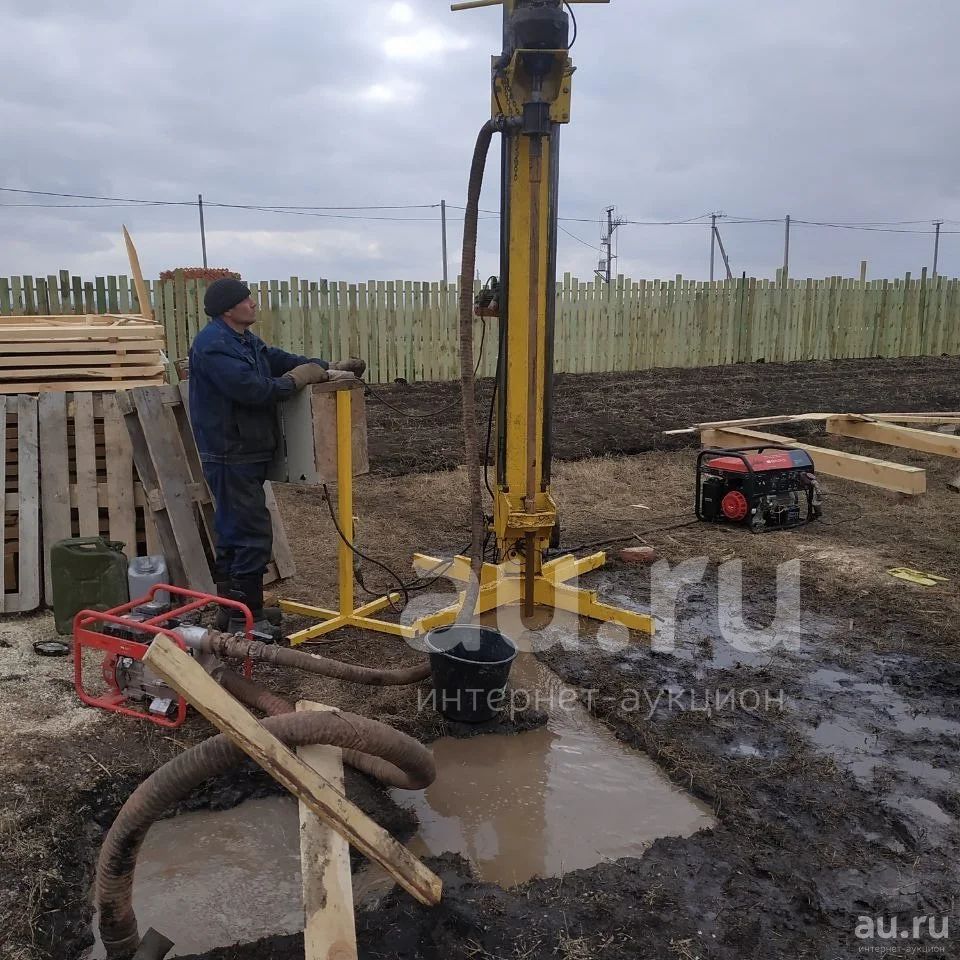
x=242 y=526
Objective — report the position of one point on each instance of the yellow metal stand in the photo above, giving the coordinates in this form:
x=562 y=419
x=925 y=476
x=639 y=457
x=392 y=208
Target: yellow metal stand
x=348 y=615
x=501 y=584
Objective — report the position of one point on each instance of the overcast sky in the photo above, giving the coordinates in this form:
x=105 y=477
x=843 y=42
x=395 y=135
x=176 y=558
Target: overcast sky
x=830 y=110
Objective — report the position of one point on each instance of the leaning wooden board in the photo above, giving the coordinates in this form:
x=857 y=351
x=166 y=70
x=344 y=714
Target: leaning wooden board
x=245 y=731
x=164 y=472
x=20 y=482
x=169 y=467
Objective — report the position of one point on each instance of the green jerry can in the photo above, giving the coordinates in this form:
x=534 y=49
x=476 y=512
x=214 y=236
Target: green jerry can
x=88 y=573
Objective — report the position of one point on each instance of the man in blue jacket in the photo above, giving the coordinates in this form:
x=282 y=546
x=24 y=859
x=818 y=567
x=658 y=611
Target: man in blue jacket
x=236 y=382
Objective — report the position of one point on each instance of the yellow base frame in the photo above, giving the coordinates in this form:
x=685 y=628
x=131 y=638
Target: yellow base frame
x=500 y=584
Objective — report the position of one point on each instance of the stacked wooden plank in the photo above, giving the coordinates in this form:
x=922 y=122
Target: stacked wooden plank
x=86 y=352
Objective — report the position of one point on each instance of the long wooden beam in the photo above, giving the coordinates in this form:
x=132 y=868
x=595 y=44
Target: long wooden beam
x=929 y=419
x=755 y=421
x=926 y=441
x=192 y=682
x=832 y=463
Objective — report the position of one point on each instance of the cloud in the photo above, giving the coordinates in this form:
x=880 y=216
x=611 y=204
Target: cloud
x=400 y=13
x=424 y=44
x=825 y=110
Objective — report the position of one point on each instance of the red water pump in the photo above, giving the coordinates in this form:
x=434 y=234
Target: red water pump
x=764 y=488
x=124 y=635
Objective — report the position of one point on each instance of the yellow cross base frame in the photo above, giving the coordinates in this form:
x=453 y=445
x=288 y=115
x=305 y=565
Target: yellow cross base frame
x=500 y=584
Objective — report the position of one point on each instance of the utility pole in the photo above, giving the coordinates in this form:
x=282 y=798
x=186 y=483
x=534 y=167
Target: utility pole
x=713 y=242
x=203 y=233
x=443 y=237
x=786 y=251
x=936 y=247
x=723 y=252
x=605 y=268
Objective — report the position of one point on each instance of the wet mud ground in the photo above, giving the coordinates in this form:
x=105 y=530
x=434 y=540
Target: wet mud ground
x=837 y=798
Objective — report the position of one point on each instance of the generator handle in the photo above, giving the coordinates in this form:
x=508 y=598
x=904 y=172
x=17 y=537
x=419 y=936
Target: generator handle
x=739 y=452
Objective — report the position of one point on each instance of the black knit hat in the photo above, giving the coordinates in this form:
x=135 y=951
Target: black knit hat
x=223 y=294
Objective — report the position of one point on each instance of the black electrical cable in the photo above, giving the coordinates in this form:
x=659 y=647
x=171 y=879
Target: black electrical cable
x=417 y=584
x=486 y=446
x=449 y=406
x=820 y=522
x=633 y=536
x=363 y=556
x=574 y=19
x=406 y=413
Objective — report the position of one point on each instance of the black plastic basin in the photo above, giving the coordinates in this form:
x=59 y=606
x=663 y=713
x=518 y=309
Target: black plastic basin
x=470 y=665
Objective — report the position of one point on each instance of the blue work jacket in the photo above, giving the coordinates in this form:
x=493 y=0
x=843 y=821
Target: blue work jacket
x=236 y=381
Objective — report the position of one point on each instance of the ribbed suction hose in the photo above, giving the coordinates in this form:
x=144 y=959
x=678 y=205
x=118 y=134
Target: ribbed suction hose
x=259 y=698
x=236 y=647
x=468 y=406
x=406 y=764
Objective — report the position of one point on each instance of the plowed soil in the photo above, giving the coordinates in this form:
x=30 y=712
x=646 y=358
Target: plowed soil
x=837 y=801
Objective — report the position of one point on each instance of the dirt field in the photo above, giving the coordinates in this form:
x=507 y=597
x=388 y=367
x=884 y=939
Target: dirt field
x=837 y=800
x=623 y=413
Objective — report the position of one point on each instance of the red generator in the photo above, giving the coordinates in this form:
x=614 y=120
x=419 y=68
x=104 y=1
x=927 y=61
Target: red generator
x=123 y=635
x=763 y=488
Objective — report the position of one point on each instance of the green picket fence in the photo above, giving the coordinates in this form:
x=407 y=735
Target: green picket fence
x=409 y=329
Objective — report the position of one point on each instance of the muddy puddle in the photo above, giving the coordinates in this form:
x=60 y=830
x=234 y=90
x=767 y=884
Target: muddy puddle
x=548 y=801
x=562 y=797
x=209 y=879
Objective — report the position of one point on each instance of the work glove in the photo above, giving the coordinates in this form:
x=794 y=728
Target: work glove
x=354 y=365
x=307 y=373
x=340 y=375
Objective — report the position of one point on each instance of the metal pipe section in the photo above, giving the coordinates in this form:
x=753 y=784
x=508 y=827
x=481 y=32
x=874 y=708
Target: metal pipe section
x=553 y=197
x=468 y=386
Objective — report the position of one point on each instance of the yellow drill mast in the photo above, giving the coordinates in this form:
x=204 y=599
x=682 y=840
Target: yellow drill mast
x=531 y=87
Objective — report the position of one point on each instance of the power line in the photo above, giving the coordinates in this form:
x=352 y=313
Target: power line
x=338 y=212
x=193 y=203
x=86 y=196
x=578 y=239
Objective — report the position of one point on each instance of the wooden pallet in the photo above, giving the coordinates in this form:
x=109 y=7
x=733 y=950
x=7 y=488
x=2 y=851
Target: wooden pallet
x=20 y=482
x=89 y=486
x=168 y=465
x=92 y=352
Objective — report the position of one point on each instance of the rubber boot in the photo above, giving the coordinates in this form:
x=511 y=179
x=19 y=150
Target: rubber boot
x=249 y=590
x=273 y=615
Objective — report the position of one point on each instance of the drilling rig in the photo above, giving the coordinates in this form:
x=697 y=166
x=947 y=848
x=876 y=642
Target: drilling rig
x=531 y=85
